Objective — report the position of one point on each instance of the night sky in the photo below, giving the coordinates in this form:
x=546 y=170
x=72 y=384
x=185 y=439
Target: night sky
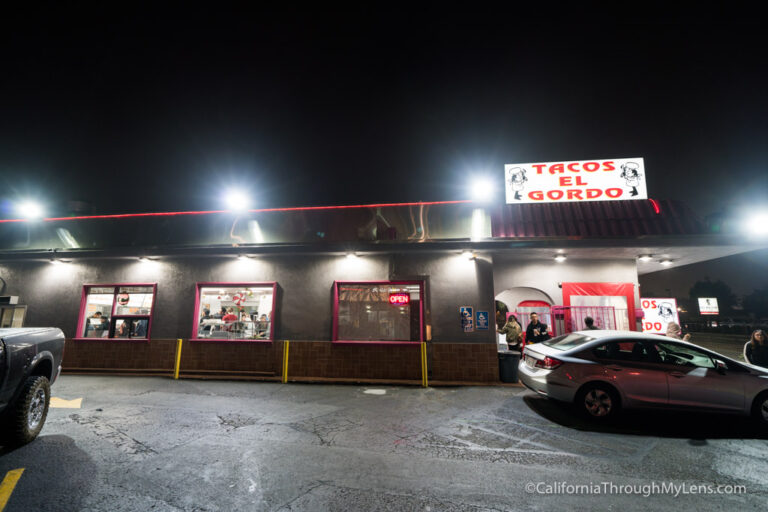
x=148 y=110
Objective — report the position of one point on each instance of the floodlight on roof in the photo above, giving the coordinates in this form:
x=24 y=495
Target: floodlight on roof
x=30 y=210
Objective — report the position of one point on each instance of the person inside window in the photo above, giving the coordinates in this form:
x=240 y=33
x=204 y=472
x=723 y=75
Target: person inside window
x=230 y=316
x=140 y=328
x=536 y=331
x=121 y=331
x=206 y=315
x=589 y=322
x=756 y=349
x=95 y=325
x=262 y=327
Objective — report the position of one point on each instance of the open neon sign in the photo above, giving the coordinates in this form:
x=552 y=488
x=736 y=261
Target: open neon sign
x=399 y=299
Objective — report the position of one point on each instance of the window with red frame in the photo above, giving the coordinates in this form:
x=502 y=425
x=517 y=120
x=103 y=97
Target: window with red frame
x=385 y=311
x=235 y=311
x=117 y=311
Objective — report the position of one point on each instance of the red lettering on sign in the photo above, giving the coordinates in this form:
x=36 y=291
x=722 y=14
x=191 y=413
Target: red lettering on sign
x=591 y=166
x=608 y=166
x=593 y=193
x=539 y=168
x=555 y=194
x=580 y=181
x=399 y=299
x=565 y=181
x=559 y=168
x=574 y=193
x=536 y=195
x=614 y=192
x=571 y=167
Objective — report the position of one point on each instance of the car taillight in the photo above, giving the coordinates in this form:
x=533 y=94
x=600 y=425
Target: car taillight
x=548 y=363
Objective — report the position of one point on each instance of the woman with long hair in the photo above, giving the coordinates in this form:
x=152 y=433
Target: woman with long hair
x=756 y=349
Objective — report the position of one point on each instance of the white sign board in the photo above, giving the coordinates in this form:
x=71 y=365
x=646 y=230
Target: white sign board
x=575 y=181
x=657 y=314
x=708 y=306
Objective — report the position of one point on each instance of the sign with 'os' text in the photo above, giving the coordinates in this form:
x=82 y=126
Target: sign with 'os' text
x=574 y=181
x=657 y=314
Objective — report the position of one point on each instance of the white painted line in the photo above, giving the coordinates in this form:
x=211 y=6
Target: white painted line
x=375 y=391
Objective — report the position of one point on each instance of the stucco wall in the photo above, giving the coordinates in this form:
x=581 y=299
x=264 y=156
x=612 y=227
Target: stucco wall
x=304 y=300
x=545 y=275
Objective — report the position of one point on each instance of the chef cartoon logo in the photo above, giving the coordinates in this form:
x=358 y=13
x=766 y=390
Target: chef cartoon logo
x=516 y=179
x=630 y=172
x=666 y=311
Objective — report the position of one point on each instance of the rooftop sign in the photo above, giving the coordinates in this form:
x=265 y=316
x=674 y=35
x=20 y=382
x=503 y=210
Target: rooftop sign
x=574 y=181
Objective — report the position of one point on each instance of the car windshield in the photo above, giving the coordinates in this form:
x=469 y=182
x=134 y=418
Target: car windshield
x=567 y=341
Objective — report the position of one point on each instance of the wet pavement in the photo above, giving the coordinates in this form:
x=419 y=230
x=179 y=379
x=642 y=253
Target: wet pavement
x=163 y=445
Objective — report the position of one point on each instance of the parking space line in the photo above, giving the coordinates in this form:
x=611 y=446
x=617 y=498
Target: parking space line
x=60 y=403
x=8 y=484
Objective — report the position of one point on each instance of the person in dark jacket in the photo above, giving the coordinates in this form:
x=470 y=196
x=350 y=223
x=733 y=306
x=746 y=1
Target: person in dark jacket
x=590 y=323
x=536 y=331
x=756 y=349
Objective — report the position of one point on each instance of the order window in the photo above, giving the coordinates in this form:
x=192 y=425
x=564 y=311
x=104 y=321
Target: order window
x=382 y=311
x=235 y=311
x=117 y=311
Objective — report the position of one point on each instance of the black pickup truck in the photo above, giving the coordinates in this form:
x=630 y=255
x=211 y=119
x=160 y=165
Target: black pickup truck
x=30 y=361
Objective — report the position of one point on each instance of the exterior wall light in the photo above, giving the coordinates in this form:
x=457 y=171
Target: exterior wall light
x=56 y=262
x=30 y=210
x=351 y=255
x=468 y=255
x=645 y=257
x=666 y=263
x=243 y=257
x=560 y=258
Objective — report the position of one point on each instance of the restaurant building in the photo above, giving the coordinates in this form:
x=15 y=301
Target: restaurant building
x=353 y=293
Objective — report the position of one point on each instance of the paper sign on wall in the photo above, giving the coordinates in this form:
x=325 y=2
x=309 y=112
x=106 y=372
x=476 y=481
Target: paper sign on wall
x=482 y=320
x=657 y=314
x=467 y=322
x=588 y=180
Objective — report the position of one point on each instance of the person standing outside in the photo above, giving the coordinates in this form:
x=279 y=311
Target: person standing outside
x=590 y=323
x=514 y=332
x=536 y=331
x=675 y=332
x=756 y=349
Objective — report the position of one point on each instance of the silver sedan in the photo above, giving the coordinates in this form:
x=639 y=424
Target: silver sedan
x=603 y=371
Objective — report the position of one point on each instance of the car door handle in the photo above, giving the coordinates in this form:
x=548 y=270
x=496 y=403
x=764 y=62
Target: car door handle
x=677 y=375
x=615 y=368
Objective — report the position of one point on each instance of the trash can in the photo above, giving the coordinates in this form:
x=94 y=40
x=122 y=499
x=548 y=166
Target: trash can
x=508 y=361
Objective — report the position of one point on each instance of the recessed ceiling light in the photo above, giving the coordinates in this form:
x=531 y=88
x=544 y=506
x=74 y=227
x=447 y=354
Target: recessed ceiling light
x=560 y=258
x=645 y=257
x=666 y=263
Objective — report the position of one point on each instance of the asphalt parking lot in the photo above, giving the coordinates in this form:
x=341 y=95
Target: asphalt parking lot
x=163 y=445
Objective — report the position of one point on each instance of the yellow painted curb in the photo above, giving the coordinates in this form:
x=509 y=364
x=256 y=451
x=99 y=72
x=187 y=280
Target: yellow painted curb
x=8 y=485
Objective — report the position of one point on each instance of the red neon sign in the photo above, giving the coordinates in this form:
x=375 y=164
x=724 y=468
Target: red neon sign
x=400 y=299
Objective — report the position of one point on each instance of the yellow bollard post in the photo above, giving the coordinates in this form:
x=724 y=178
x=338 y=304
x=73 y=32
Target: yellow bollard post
x=178 y=359
x=424 y=377
x=286 y=344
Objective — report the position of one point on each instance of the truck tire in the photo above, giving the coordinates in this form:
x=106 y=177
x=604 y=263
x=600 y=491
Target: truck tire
x=26 y=416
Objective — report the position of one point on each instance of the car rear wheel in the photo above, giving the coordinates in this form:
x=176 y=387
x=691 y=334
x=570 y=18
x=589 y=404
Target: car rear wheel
x=598 y=401
x=760 y=409
x=26 y=416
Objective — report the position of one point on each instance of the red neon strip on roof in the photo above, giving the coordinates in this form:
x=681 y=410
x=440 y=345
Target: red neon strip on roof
x=261 y=210
x=656 y=206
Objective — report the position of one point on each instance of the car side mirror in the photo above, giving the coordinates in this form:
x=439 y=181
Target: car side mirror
x=721 y=366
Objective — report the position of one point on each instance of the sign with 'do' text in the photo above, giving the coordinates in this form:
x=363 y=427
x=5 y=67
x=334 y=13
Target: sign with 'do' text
x=657 y=314
x=578 y=180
